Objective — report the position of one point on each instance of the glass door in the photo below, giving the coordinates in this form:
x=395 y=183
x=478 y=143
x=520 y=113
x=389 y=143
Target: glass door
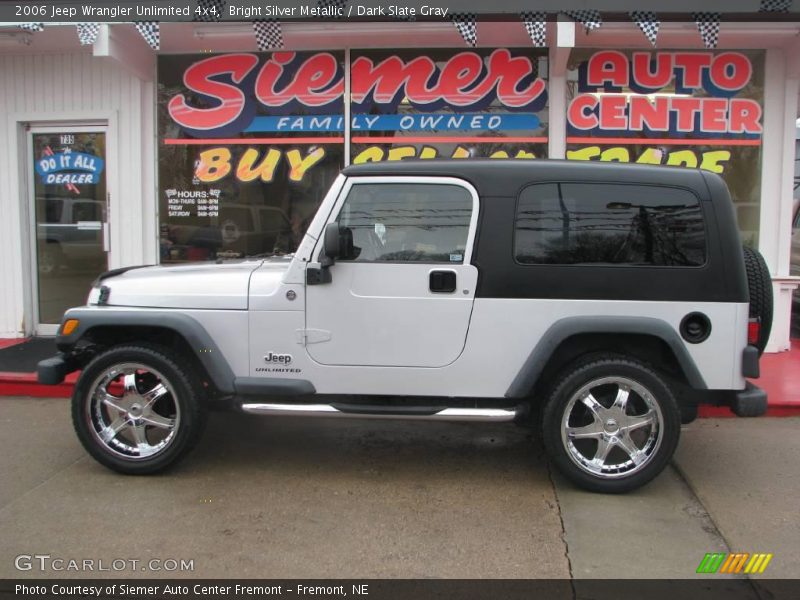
x=70 y=241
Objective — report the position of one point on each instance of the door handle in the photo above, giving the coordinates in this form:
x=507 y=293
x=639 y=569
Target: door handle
x=442 y=281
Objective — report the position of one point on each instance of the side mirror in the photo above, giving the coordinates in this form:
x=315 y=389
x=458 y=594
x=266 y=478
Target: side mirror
x=331 y=244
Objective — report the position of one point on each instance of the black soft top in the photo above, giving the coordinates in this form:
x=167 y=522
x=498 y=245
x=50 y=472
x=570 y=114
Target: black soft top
x=721 y=279
x=505 y=177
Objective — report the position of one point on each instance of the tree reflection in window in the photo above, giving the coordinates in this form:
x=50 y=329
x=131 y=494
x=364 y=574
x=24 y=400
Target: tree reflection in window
x=577 y=223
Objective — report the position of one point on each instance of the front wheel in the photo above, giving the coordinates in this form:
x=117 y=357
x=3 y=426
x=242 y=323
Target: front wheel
x=610 y=424
x=137 y=410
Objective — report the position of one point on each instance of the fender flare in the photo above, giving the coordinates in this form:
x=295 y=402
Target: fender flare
x=565 y=328
x=192 y=331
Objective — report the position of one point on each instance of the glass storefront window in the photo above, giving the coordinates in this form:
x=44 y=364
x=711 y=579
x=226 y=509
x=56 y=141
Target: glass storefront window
x=680 y=108
x=250 y=143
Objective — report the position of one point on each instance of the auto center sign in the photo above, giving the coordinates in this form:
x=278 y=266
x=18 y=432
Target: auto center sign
x=664 y=94
x=683 y=108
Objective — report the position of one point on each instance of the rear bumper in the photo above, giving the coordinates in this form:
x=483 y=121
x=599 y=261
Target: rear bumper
x=749 y=402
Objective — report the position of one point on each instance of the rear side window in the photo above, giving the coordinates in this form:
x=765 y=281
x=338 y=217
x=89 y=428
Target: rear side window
x=611 y=224
x=406 y=222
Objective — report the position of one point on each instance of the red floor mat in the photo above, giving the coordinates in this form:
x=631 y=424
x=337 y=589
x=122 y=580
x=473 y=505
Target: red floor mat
x=780 y=378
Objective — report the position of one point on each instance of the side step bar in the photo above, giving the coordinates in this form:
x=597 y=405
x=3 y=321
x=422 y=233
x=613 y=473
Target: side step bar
x=350 y=411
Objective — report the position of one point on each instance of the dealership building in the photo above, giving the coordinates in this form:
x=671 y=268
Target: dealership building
x=218 y=140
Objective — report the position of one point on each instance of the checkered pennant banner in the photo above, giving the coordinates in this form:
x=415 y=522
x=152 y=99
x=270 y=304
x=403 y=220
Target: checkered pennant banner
x=648 y=22
x=87 y=33
x=151 y=33
x=268 y=33
x=339 y=5
x=708 y=26
x=465 y=23
x=781 y=6
x=209 y=10
x=31 y=27
x=536 y=26
x=590 y=19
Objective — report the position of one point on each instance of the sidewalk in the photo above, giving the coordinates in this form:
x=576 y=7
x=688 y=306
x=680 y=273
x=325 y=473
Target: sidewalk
x=780 y=377
x=355 y=499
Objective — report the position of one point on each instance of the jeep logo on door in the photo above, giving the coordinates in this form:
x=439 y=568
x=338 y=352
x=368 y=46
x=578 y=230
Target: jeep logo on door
x=278 y=359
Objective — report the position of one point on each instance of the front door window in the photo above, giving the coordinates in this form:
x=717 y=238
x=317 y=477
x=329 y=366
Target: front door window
x=406 y=222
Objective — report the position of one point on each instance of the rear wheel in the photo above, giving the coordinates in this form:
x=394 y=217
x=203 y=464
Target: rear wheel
x=136 y=410
x=610 y=424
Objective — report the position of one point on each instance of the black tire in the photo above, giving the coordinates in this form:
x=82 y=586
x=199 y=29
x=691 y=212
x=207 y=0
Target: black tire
x=566 y=452
x=759 y=282
x=183 y=403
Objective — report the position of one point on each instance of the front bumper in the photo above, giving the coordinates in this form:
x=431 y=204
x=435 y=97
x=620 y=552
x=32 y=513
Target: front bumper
x=53 y=370
x=749 y=402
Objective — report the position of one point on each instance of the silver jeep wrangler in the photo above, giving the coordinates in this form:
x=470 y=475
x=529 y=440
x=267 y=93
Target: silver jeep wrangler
x=599 y=303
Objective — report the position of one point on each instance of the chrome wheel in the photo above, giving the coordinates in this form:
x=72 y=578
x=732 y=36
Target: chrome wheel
x=612 y=427
x=132 y=411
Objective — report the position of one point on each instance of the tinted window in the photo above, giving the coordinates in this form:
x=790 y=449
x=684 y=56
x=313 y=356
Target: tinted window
x=572 y=223
x=406 y=222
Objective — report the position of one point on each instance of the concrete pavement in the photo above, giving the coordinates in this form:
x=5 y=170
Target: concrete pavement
x=748 y=477
x=660 y=531
x=290 y=498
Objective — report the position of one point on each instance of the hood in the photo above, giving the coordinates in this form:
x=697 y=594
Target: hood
x=203 y=286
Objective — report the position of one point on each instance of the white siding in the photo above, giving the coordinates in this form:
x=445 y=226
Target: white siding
x=44 y=88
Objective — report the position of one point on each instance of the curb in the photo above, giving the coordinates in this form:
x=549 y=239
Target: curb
x=779 y=409
x=26 y=384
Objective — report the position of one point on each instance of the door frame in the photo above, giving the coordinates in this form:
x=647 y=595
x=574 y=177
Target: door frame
x=465 y=265
x=27 y=125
